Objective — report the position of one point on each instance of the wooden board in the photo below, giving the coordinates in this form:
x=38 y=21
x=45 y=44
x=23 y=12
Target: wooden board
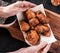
x=54 y=22
x=55 y=26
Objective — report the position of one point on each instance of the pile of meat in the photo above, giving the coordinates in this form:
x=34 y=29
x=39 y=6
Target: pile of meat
x=55 y=2
x=35 y=24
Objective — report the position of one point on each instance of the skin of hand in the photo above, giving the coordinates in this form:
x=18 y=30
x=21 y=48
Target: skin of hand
x=43 y=47
x=14 y=8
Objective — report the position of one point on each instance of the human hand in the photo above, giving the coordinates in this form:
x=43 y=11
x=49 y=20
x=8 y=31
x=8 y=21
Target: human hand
x=14 y=8
x=43 y=47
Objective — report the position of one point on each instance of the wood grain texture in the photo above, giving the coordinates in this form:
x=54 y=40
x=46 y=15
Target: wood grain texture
x=54 y=23
x=55 y=26
x=15 y=31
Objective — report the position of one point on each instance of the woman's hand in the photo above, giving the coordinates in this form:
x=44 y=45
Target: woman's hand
x=14 y=8
x=43 y=47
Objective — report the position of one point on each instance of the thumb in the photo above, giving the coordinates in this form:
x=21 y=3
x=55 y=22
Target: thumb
x=45 y=50
x=41 y=45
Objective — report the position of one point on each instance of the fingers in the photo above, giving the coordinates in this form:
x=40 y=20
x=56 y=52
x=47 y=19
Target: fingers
x=29 y=4
x=25 y=4
x=41 y=45
x=22 y=49
x=24 y=9
x=19 y=4
x=45 y=50
x=12 y=12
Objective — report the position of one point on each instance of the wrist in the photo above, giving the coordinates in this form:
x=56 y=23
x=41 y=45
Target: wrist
x=3 y=12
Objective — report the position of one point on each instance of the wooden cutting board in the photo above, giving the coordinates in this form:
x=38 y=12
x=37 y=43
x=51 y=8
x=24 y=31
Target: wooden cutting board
x=55 y=26
x=54 y=22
